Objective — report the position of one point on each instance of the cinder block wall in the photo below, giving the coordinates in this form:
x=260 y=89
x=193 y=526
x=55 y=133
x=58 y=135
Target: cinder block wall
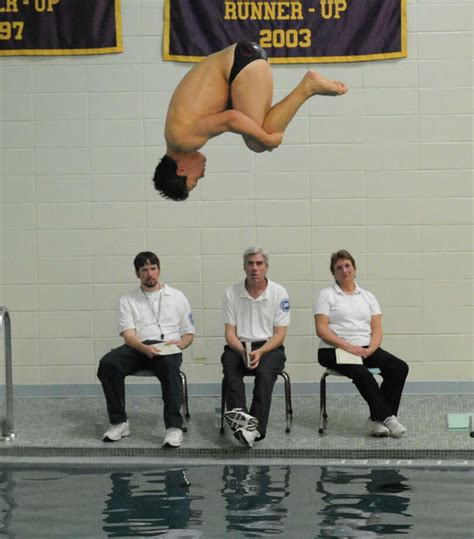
x=385 y=172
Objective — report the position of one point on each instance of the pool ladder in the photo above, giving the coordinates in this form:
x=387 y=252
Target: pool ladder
x=7 y=422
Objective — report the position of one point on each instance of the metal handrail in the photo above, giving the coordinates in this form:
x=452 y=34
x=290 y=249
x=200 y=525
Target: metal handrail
x=7 y=422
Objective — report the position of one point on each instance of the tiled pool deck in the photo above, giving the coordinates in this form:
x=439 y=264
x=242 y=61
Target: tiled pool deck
x=73 y=426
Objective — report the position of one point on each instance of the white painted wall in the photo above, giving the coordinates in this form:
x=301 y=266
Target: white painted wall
x=385 y=172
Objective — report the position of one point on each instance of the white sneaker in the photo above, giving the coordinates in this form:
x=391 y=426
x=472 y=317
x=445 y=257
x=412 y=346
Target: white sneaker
x=246 y=437
x=377 y=428
x=238 y=419
x=173 y=437
x=115 y=432
x=394 y=426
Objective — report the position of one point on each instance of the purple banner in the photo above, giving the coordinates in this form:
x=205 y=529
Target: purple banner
x=291 y=31
x=58 y=27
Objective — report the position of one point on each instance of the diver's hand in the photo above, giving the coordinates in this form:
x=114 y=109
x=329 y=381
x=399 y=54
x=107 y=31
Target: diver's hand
x=273 y=141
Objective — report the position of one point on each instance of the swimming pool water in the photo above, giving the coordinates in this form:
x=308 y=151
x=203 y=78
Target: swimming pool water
x=226 y=500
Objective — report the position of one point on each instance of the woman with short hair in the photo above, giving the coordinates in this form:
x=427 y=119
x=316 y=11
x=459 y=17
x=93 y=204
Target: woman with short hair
x=349 y=318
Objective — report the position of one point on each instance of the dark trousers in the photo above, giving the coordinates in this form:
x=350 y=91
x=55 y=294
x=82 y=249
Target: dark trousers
x=123 y=361
x=234 y=369
x=383 y=401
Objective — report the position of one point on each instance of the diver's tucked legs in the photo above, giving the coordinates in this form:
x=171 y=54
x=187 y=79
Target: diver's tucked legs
x=252 y=92
x=281 y=114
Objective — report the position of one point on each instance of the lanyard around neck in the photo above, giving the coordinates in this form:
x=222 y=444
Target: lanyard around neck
x=156 y=317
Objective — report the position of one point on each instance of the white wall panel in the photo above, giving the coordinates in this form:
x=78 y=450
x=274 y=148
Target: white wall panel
x=385 y=171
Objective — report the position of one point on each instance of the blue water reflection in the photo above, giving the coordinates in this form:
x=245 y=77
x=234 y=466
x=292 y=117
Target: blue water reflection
x=363 y=503
x=147 y=504
x=254 y=497
x=216 y=501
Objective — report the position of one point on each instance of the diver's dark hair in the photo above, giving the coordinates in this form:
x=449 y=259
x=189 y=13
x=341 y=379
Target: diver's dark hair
x=144 y=258
x=167 y=182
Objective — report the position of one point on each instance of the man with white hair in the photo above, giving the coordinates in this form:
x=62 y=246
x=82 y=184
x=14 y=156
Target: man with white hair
x=256 y=314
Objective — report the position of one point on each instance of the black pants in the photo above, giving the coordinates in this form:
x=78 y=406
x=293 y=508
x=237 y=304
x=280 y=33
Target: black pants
x=123 y=361
x=271 y=364
x=383 y=401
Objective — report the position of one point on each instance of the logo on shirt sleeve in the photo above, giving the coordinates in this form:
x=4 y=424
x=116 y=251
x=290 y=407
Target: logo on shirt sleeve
x=285 y=305
x=190 y=318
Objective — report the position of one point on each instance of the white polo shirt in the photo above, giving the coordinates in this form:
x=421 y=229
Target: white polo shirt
x=349 y=315
x=140 y=310
x=255 y=318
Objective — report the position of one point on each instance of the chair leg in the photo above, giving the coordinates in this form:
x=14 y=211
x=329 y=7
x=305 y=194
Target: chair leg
x=289 y=398
x=288 y=408
x=322 y=404
x=184 y=382
x=185 y=406
x=222 y=405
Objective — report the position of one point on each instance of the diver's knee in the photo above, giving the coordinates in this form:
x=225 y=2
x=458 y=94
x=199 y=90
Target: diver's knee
x=253 y=145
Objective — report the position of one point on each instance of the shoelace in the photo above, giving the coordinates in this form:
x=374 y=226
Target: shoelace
x=240 y=420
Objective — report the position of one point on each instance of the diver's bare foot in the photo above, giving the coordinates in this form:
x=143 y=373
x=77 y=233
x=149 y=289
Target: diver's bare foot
x=318 y=85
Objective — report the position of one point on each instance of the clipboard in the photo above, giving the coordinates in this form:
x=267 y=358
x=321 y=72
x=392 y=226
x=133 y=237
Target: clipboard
x=346 y=358
x=167 y=349
x=248 y=349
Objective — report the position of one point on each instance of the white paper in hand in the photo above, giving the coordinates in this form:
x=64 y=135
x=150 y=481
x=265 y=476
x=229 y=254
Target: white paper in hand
x=167 y=349
x=346 y=358
x=248 y=349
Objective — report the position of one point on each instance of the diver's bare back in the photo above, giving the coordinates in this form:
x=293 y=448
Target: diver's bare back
x=203 y=91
